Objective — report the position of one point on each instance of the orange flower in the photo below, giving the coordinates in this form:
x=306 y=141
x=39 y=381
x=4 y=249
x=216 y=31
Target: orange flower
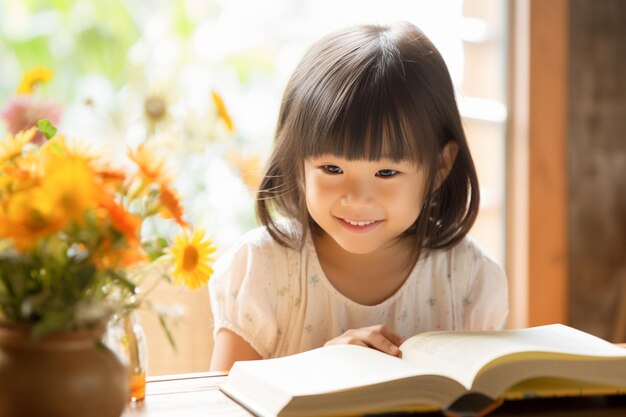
x=171 y=207
x=108 y=175
x=249 y=168
x=151 y=167
x=119 y=258
x=124 y=222
x=221 y=110
x=23 y=175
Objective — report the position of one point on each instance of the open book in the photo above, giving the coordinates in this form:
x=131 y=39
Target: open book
x=459 y=372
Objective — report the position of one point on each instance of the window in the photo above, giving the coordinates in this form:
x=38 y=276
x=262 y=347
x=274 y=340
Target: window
x=109 y=58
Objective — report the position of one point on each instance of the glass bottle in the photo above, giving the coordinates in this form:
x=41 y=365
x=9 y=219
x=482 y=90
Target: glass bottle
x=126 y=338
x=137 y=351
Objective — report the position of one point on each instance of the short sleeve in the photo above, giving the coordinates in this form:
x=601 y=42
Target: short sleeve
x=486 y=300
x=243 y=292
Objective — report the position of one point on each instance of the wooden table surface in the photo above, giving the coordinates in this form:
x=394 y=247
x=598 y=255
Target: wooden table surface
x=198 y=394
x=186 y=395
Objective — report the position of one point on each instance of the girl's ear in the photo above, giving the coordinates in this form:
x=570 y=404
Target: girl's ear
x=446 y=161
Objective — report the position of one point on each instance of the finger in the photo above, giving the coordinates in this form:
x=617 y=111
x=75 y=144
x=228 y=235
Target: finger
x=346 y=340
x=378 y=341
x=392 y=336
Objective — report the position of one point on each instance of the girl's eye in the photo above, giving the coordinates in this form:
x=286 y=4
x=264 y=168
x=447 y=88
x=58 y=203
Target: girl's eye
x=386 y=173
x=332 y=169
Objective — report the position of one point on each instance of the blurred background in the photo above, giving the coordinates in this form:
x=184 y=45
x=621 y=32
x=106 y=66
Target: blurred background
x=540 y=85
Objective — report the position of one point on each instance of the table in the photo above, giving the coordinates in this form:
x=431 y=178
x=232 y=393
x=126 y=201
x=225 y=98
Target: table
x=197 y=394
x=186 y=395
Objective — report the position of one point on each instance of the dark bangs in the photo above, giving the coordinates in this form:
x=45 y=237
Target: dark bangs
x=370 y=122
x=364 y=107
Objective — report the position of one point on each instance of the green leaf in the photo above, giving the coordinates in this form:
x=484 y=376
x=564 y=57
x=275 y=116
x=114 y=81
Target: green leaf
x=122 y=280
x=47 y=128
x=167 y=332
x=81 y=275
x=53 y=320
x=155 y=247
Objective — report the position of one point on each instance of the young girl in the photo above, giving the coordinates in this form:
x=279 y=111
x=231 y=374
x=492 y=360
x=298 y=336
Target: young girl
x=366 y=203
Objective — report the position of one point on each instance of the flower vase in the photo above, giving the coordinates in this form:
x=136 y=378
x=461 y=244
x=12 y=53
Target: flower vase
x=66 y=373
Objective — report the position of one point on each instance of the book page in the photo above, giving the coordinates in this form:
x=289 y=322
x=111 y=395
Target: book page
x=468 y=352
x=341 y=379
x=329 y=369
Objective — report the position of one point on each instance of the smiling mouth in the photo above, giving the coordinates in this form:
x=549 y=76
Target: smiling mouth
x=359 y=223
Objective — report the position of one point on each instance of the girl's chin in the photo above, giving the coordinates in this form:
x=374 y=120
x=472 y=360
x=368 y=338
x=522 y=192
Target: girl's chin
x=359 y=247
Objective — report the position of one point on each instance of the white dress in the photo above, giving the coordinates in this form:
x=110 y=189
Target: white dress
x=280 y=302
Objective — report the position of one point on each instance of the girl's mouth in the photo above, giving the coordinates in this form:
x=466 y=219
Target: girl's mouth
x=359 y=225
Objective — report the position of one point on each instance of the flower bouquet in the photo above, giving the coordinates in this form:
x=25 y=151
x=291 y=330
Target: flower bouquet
x=74 y=243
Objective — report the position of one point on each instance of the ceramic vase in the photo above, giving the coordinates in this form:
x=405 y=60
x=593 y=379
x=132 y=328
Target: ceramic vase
x=64 y=374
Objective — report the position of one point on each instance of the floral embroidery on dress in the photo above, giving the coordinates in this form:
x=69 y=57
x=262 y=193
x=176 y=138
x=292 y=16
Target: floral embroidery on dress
x=248 y=318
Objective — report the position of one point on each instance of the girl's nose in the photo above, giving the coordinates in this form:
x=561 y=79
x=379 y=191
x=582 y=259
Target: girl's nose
x=358 y=195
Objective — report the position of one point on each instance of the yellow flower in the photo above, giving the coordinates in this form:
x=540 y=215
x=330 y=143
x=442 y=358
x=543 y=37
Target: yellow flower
x=221 y=111
x=29 y=215
x=13 y=145
x=32 y=78
x=192 y=258
x=70 y=185
x=59 y=145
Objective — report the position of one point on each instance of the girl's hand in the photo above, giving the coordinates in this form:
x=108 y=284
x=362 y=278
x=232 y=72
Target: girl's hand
x=378 y=337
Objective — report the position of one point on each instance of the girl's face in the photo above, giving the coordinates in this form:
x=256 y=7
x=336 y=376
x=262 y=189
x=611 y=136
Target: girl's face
x=363 y=205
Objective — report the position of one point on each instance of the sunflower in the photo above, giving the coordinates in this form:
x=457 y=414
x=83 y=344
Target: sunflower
x=60 y=145
x=221 y=111
x=28 y=216
x=70 y=185
x=32 y=78
x=192 y=258
x=13 y=145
